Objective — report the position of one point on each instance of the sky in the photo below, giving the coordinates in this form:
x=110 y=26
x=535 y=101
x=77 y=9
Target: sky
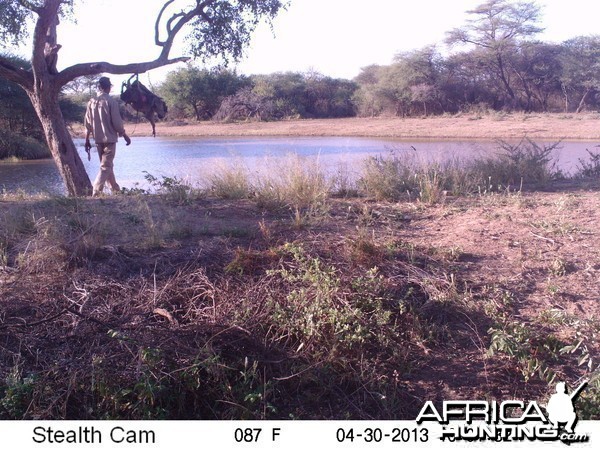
x=333 y=37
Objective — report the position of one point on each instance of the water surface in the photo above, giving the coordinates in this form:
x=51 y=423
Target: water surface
x=194 y=159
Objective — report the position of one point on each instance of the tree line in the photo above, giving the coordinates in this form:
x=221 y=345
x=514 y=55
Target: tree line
x=533 y=76
x=493 y=62
x=222 y=94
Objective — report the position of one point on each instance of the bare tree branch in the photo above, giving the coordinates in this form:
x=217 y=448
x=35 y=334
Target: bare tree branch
x=30 y=6
x=15 y=74
x=157 y=40
x=176 y=23
x=94 y=68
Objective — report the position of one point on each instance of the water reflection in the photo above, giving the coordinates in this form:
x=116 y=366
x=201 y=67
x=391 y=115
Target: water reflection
x=194 y=159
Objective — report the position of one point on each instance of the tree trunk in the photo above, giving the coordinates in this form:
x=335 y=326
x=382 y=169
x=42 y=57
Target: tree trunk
x=505 y=82
x=582 y=102
x=566 y=94
x=60 y=143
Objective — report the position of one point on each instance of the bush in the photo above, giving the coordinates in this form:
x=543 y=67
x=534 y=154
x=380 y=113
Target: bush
x=388 y=178
x=294 y=183
x=291 y=182
x=15 y=145
x=230 y=182
x=591 y=168
x=398 y=175
x=524 y=163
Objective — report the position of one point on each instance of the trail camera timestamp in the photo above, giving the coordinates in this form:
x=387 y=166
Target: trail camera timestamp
x=375 y=435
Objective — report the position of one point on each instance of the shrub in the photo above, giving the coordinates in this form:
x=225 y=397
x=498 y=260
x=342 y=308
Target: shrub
x=397 y=175
x=230 y=182
x=591 y=168
x=293 y=183
x=15 y=145
x=524 y=163
x=388 y=178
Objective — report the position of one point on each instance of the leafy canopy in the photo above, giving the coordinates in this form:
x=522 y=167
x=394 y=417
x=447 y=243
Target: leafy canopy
x=215 y=28
x=226 y=26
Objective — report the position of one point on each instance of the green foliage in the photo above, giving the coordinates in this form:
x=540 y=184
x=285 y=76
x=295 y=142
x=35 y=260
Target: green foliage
x=404 y=174
x=322 y=316
x=207 y=385
x=15 y=395
x=198 y=93
x=15 y=145
x=407 y=86
x=16 y=112
x=389 y=177
x=589 y=399
x=580 y=76
x=72 y=109
x=516 y=340
x=290 y=95
x=498 y=67
x=175 y=189
x=13 y=22
x=229 y=26
x=526 y=162
x=21 y=134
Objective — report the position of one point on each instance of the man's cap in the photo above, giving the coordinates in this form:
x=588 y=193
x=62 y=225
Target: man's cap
x=104 y=82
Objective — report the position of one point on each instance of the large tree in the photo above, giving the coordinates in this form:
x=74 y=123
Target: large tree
x=580 y=78
x=216 y=28
x=496 y=27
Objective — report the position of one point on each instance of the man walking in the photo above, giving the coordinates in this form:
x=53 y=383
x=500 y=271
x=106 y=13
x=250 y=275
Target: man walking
x=103 y=121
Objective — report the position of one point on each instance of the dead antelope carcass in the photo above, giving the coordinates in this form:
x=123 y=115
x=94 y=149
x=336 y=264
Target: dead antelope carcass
x=144 y=101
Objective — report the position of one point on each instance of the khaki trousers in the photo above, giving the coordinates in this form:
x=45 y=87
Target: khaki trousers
x=106 y=152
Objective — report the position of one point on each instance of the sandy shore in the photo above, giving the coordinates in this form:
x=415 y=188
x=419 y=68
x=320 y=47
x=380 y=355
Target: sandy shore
x=495 y=126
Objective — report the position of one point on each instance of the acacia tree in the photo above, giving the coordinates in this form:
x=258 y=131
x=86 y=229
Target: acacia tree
x=496 y=27
x=216 y=28
x=580 y=77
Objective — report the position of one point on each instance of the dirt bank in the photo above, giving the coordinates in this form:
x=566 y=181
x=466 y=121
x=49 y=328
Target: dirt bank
x=507 y=126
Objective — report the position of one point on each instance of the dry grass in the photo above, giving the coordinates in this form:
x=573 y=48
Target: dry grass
x=292 y=183
x=404 y=175
x=182 y=330
x=181 y=305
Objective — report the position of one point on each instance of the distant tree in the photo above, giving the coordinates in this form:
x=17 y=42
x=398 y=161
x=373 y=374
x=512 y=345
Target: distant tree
x=367 y=98
x=580 y=77
x=82 y=89
x=328 y=97
x=465 y=82
x=200 y=91
x=245 y=105
x=408 y=85
x=285 y=91
x=497 y=27
x=421 y=71
x=538 y=69
x=16 y=112
x=216 y=28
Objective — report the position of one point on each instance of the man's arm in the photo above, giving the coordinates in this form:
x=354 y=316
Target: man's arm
x=117 y=121
x=87 y=122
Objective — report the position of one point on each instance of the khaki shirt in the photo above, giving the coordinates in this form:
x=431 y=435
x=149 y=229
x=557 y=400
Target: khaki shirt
x=103 y=119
